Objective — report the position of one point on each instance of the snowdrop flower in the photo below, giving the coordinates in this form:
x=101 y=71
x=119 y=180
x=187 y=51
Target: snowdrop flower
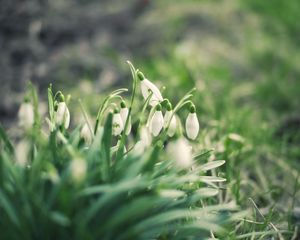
x=172 y=122
x=78 y=169
x=26 y=115
x=147 y=88
x=124 y=114
x=144 y=142
x=181 y=152
x=62 y=115
x=157 y=121
x=145 y=136
x=192 y=124
x=86 y=134
x=21 y=153
x=117 y=123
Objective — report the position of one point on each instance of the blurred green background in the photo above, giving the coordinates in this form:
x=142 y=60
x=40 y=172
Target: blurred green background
x=241 y=52
x=242 y=55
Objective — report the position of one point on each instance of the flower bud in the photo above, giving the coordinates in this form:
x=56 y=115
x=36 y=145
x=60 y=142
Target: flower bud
x=192 y=124
x=124 y=114
x=117 y=123
x=147 y=88
x=86 y=134
x=26 y=115
x=78 y=169
x=157 y=121
x=181 y=153
x=62 y=115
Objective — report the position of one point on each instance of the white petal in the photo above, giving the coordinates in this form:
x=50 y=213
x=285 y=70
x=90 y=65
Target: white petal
x=21 y=153
x=26 y=115
x=156 y=123
x=67 y=119
x=124 y=114
x=86 y=134
x=181 y=152
x=145 y=136
x=117 y=124
x=63 y=115
x=192 y=126
x=141 y=146
x=78 y=169
x=147 y=87
x=173 y=123
x=173 y=127
x=167 y=118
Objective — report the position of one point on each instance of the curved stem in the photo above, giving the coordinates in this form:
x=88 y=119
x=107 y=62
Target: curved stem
x=102 y=108
x=134 y=84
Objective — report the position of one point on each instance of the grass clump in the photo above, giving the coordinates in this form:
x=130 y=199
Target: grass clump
x=134 y=174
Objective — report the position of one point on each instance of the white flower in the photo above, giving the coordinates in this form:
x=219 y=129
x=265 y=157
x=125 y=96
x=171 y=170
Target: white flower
x=192 y=124
x=124 y=114
x=145 y=136
x=147 y=87
x=78 y=169
x=62 y=115
x=156 y=122
x=86 y=134
x=21 y=153
x=173 y=123
x=26 y=115
x=181 y=152
x=117 y=124
x=144 y=142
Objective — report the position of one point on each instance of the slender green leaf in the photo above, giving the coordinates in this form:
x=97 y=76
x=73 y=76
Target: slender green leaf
x=9 y=209
x=5 y=140
x=211 y=165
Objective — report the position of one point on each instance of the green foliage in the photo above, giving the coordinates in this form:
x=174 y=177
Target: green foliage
x=63 y=188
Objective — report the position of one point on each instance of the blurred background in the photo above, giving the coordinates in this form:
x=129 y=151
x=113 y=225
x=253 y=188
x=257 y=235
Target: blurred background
x=244 y=49
x=242 y=55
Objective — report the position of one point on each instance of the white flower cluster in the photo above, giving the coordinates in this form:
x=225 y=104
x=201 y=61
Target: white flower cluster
x=179 y=150
x=169 y=121
x=61 y=113
x=161 y=123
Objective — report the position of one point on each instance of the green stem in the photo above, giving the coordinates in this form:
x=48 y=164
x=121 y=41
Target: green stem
x=134 y=84
x=85 y=116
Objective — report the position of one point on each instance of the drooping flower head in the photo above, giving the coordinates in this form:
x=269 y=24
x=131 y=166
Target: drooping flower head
x=192 y=124
x=181 y=153
x=86 y=134
x=157 y=121
x=147 y=88
x=78 y=168
x=26 y=114
x=117 y=123
x=62 y=114
x=144 y=142
x=124 y=115
x=22 y=152
x=170 y=119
